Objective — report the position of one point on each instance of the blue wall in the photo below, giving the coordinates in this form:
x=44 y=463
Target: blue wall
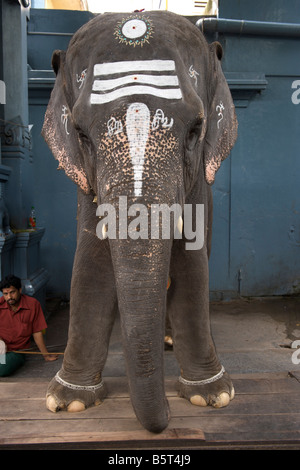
x=55 y=196
x=257 y=191
x=256 y=236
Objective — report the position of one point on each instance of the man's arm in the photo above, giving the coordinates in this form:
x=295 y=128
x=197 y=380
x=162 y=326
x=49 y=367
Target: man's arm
x=39 y=341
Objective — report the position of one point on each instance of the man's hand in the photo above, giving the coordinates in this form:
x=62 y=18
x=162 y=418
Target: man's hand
x=39 y=341
x=50 y=357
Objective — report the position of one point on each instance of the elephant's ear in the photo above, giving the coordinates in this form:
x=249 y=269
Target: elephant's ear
x=58 y=129
x=222 y=123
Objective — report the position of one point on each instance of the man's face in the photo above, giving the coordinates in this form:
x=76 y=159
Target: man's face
x=12 y=295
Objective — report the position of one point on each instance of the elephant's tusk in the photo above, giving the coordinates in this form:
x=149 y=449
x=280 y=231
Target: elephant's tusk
x=180 y=224
x=104 y=232
x=168 y=340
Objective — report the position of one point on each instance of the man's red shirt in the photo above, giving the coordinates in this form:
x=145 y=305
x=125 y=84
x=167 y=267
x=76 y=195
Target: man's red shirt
x=17 y=327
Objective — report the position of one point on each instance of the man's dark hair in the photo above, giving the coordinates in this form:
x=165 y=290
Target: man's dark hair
x=9 y=281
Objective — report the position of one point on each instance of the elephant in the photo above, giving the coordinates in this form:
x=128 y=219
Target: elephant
x=140 y=114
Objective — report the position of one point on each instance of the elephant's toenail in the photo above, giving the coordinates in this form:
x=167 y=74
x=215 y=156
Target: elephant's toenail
x=51 y=404
x=232 y=394
x=169 y=340
x=222 y=400
x=198 y=400
x=76 y=406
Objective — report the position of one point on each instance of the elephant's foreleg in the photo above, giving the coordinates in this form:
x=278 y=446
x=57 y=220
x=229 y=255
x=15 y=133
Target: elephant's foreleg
x=203 y=380
x=92 y=311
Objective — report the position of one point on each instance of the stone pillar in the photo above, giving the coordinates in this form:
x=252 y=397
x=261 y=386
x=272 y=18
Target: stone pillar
x=20 y=246
x=14 y=130
x=7 y=238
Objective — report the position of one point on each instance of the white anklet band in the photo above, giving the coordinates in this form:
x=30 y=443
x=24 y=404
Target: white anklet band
x=88 y=388
x=203 y=382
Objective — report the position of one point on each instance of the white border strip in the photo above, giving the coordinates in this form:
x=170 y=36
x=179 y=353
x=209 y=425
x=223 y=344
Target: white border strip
x=167 y=93
x=134 y=66
x=157 y=80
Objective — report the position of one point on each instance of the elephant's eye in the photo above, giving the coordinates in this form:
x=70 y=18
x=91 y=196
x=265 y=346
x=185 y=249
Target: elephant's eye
x=194 y=133
x=85 y=141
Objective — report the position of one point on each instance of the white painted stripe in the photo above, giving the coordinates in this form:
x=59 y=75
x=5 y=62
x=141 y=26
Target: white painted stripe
x=134 y=66
x=157 y=80
x=167 y=93
x=137 y=128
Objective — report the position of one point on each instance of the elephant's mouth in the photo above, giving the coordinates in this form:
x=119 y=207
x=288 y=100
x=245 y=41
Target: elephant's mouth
x=124 y=221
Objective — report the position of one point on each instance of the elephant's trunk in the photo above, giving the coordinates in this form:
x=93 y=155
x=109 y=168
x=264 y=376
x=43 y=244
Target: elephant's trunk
x=141 y=272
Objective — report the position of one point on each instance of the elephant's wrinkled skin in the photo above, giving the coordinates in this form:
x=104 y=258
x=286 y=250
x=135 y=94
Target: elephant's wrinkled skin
x=140 y=109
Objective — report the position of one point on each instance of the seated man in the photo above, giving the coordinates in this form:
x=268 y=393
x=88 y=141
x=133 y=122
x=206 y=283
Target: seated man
x=21 y=317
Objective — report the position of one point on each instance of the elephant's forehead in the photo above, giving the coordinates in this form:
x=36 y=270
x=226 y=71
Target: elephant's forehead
x=137 y=57
x=136 y=35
